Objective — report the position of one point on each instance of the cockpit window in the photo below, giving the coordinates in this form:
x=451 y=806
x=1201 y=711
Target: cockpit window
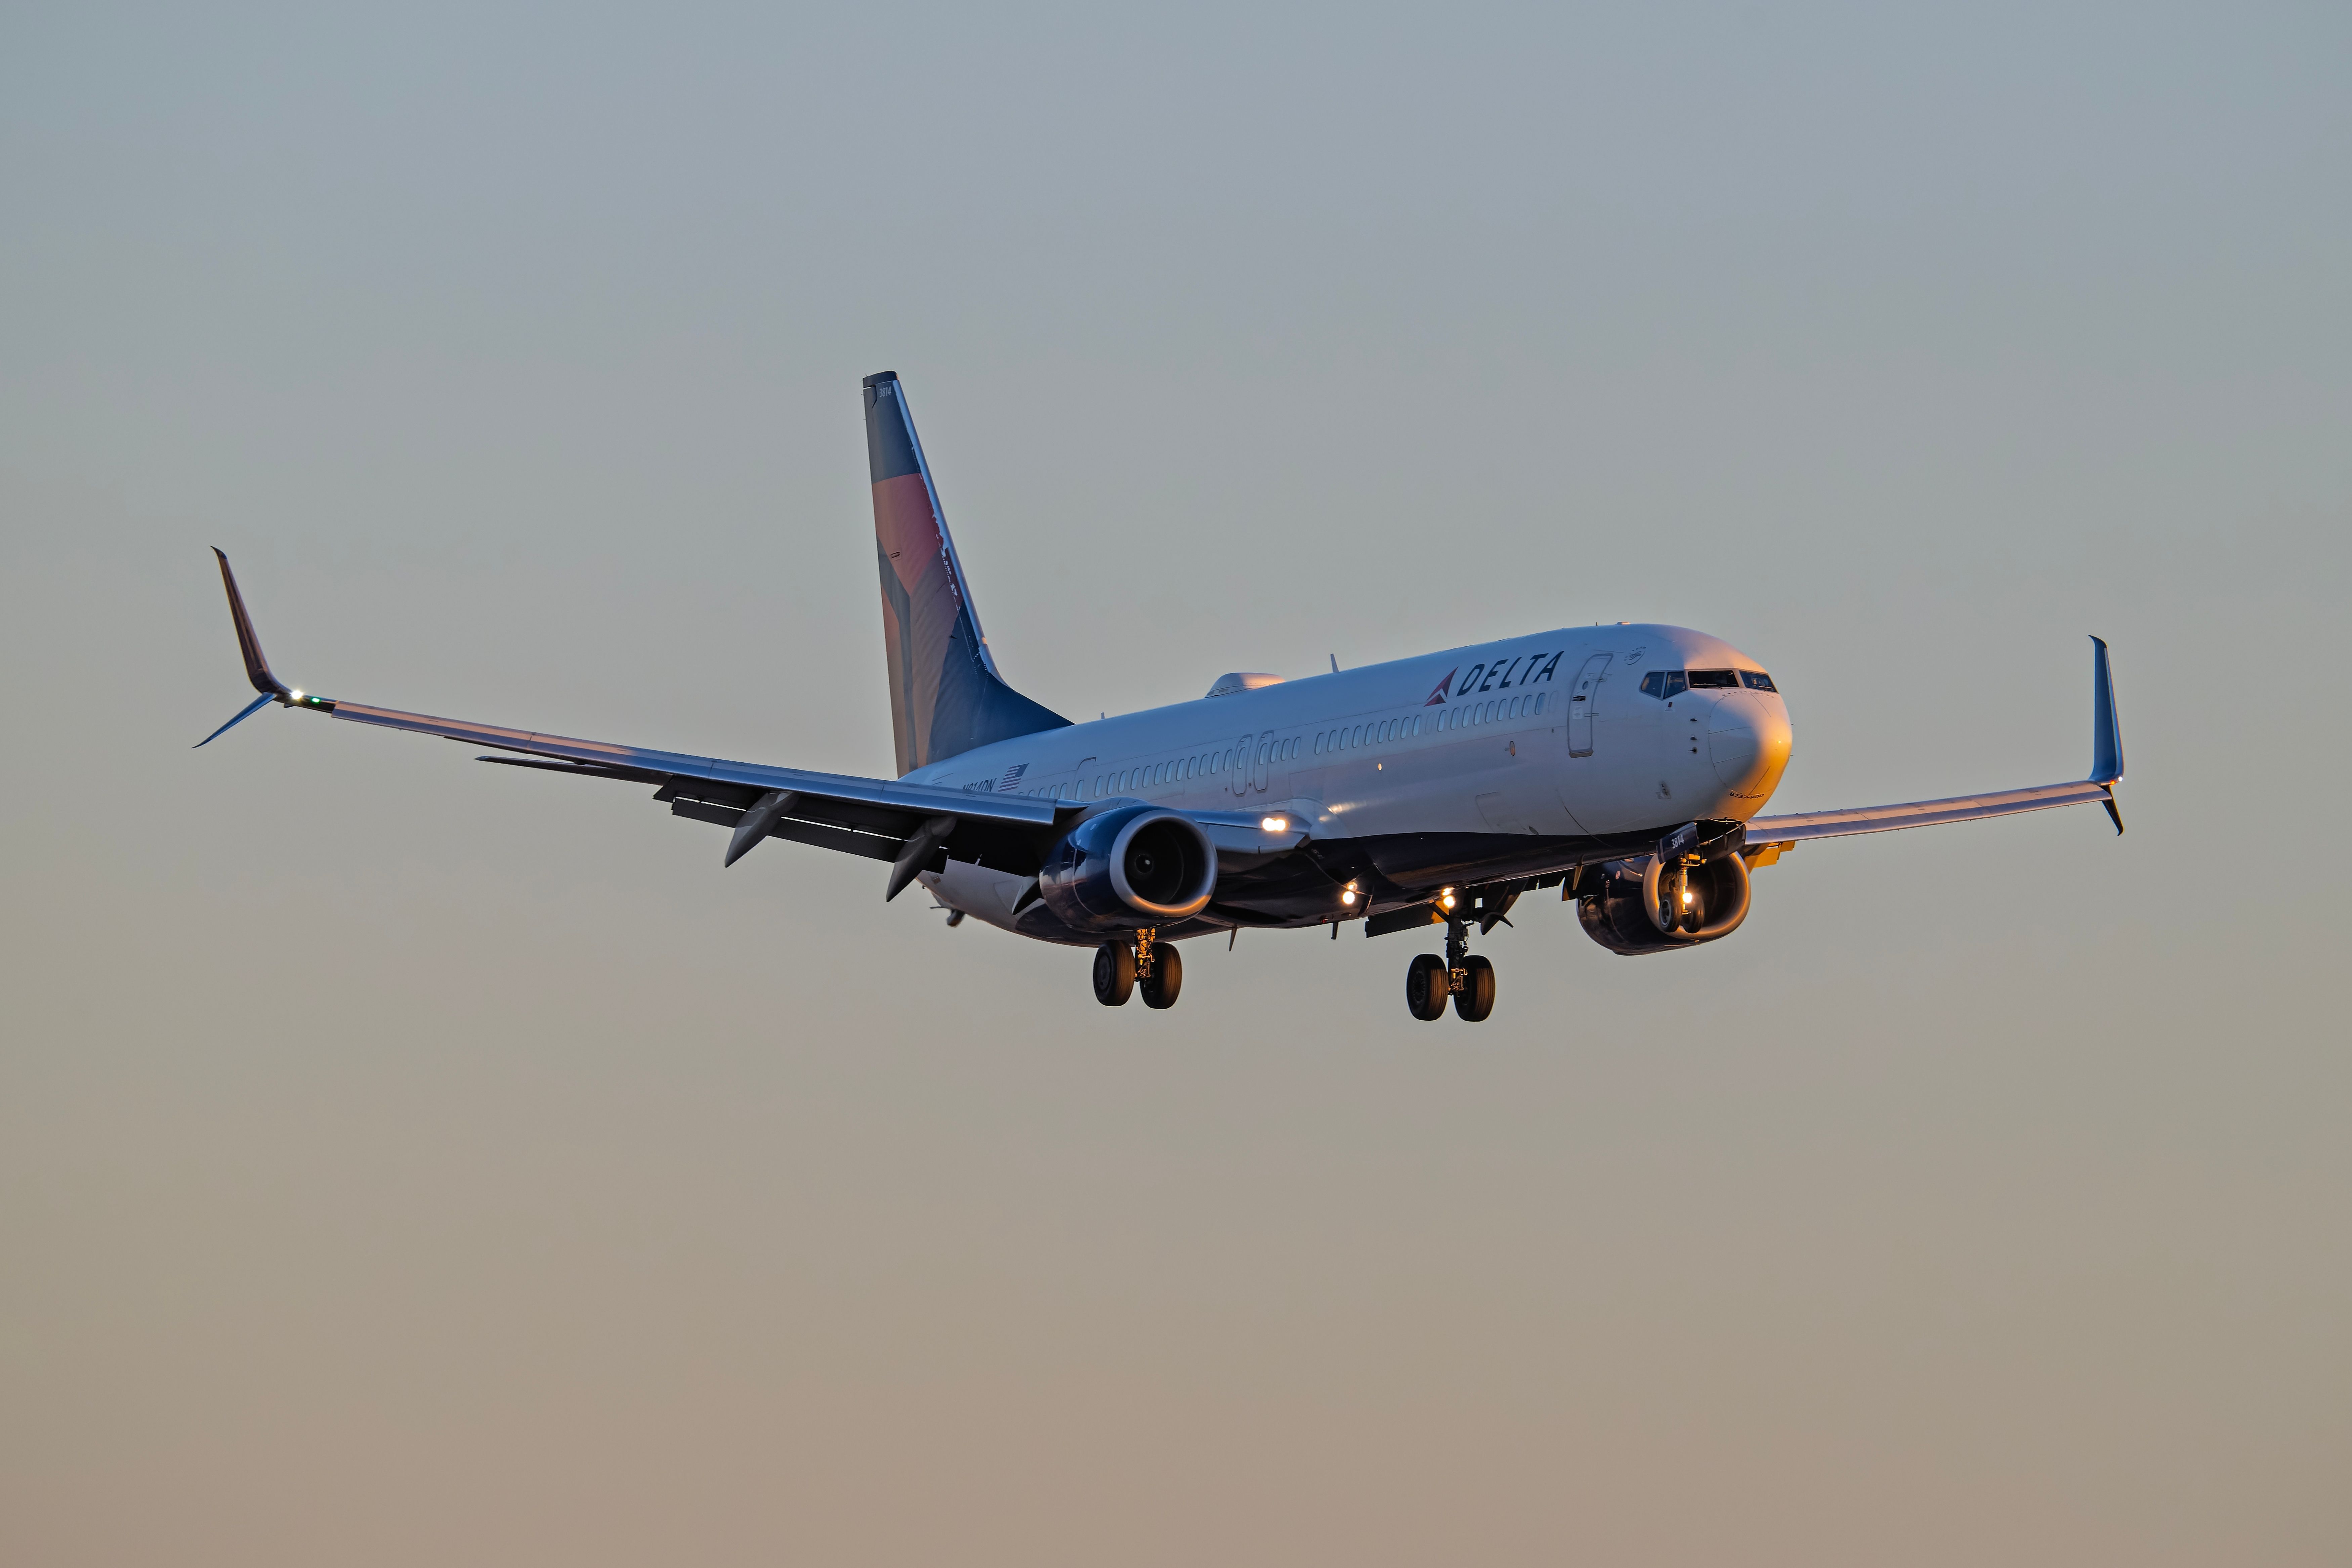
x=1664 y=683
x=1713 y=678
x=1757 y=680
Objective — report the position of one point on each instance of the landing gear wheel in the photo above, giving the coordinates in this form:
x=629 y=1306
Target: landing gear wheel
x=1477 y=997
x=1114 y=974
x=1425 y=986
x=1166 y=979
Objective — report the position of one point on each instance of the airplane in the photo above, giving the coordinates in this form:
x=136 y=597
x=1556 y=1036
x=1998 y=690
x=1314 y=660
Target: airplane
x=1625 y=764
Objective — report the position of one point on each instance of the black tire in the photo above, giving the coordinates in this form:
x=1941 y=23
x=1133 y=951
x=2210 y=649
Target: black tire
x=1426 y=983
x=1114 y=974
x=1477 y=997
x=1167 y=978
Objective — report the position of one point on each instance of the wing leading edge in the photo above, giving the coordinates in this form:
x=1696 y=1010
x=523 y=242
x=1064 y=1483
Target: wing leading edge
x=883 y=819
x=2106 y=771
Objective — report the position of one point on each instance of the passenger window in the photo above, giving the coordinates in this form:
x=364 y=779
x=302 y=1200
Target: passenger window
x=1543 y=700
x=1757 y=680
x=1711 y=679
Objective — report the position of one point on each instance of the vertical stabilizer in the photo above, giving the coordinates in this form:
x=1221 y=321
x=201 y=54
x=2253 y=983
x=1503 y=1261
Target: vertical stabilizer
x=946 y=696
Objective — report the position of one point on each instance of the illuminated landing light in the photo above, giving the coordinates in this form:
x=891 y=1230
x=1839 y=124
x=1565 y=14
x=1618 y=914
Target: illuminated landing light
x=297 y=696
x=1275 y=824
x=1445 y=898
x=1689 y=897
x=1348 y=894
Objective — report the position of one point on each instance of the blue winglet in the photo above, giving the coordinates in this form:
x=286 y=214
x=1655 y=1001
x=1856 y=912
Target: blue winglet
x=247 y=712
x=2106 y=730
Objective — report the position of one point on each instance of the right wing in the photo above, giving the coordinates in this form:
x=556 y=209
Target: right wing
x=1771 y=834
x=910 y=826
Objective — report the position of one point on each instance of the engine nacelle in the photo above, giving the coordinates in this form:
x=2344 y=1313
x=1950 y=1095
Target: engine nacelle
x=1132 y=866
x=1649 y=914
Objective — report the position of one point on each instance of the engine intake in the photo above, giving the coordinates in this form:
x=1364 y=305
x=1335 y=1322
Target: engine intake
x=1131 y=867
x=1649 y=914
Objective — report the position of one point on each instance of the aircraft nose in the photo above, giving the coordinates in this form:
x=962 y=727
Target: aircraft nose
x=1748 y=740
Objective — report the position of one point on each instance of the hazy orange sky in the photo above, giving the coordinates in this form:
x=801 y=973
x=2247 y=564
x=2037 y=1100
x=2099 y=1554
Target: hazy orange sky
x=404 y=1160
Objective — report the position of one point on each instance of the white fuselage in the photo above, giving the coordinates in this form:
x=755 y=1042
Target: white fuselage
x=1551 y=736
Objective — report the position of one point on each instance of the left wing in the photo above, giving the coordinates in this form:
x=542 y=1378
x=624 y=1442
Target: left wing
x=911 y=825
x=1771 y=834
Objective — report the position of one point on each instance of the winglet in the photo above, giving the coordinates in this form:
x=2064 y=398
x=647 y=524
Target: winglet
x=256 y=665
x=2106 y=730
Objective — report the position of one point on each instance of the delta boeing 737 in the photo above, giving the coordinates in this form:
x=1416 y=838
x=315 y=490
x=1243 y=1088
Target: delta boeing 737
x=1625 y=765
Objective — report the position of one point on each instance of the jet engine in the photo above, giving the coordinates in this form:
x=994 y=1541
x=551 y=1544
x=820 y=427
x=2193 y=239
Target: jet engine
x=1669 y=905
x=1132 y=866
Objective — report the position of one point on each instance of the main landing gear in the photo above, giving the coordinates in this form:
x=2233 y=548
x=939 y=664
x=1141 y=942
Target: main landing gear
x=1462 y=975
x=1123 y=968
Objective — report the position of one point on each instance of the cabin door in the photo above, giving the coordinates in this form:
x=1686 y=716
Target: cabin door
x=1581 y=695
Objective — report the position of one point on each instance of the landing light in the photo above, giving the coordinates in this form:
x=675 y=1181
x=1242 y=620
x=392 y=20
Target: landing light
x=1348 y=894
x=1275 y=824
x=1445 y=897
x=1689 y=897
x=297 y=696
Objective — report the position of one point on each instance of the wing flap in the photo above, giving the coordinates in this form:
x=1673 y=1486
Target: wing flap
x=824 y=835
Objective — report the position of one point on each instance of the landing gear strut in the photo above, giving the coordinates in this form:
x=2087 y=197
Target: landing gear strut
x=1463 y=976
x=1123 y=968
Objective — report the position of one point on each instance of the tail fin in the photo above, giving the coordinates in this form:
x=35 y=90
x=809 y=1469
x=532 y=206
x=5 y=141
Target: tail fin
x=945 y=694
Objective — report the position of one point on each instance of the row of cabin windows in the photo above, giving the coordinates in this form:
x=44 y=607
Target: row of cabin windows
x=1347 y=738
x=1201 y=765
x=1494 y=712
x=1665 y=683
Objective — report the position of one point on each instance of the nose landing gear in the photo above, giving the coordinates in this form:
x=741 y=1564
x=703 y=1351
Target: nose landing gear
x=1462 y=975
x=1123 y=968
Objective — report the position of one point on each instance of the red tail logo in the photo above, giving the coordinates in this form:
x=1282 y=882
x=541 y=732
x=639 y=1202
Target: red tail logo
x=1437 y=698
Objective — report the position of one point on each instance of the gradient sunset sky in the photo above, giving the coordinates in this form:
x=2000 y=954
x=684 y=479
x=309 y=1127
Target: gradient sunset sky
x=407 y=1160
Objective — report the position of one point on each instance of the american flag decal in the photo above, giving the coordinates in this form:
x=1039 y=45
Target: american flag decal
x=1004 y=785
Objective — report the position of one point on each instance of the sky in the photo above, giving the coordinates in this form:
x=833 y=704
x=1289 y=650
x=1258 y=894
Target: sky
x=404 y=1160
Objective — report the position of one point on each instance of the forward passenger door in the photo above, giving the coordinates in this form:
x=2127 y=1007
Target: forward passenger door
x=1582 y=695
